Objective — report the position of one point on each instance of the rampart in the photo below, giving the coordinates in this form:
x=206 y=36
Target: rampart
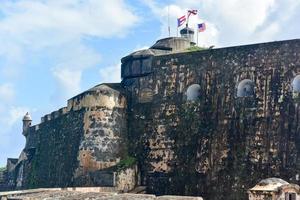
x=208 y=123
x=211 y=141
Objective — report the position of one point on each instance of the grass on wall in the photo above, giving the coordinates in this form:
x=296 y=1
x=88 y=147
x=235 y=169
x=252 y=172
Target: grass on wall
x=195 y=48
x=126 y=163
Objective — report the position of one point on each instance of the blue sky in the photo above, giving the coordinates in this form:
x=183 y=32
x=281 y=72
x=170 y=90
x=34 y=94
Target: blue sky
x=51 y=50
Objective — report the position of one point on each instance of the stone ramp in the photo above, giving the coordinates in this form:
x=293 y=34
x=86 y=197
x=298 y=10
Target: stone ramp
x=83 y=193
x=139 y=190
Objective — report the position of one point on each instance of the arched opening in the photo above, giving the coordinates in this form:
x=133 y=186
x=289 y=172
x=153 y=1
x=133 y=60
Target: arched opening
x=245 y=88
x=193 y=92
x=296 y=84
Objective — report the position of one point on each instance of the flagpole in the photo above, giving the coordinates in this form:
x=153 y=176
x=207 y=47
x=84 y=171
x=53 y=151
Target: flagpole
x=187 y=21
x=187 y=24
x=169 y=29
x=197 y=36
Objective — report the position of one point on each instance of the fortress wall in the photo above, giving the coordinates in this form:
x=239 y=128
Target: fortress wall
x=3 y=180
x=219 y=145
x=54 y=159
x=68 y=148
x=90 y=98
x=104 y=141
x=99 y=96
x=54 y=115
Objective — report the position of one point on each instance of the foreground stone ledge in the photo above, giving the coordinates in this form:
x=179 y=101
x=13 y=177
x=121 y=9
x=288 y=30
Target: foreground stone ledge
x=83 y=193
x=171 y=197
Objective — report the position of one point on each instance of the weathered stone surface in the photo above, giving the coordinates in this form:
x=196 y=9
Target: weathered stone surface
x=170 y=197
x=220 y=145
x=241 y=125
x=84 y=193
x=79 y=145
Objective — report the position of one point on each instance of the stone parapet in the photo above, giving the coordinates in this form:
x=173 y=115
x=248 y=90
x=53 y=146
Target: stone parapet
x=85 y=193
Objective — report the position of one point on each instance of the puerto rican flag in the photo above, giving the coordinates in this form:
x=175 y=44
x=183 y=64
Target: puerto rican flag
x=201 y=27
x=181 y=20
x=192 y=12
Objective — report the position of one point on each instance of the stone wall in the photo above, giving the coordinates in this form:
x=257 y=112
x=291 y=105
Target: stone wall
x=54 y=160
x=186 y=118
x=219 y=145
x=78 y=145
x=104 y=142
x=3 y=180
x=127 y=179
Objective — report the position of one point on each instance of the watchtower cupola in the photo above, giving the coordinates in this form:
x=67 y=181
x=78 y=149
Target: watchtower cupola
x=187 y=33
x=26 y=123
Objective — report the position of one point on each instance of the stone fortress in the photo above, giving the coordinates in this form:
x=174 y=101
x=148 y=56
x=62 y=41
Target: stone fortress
x=210 y=123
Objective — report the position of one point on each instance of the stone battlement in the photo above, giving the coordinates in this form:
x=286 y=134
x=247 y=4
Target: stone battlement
x=98 y=96
x=207 y=123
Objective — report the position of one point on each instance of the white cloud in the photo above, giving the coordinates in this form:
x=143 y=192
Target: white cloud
x=235 y=22
x=8 y=113
x=7 y=93
x=207 y=38
x=68 y=81
x=10 y=132
x=71 y=63
x=139 y=47
x=10 y=116
x=15 y=114
x=110 y=74
x=59 y=29
x=64 y=20
x=245 y=15
x=57 y=34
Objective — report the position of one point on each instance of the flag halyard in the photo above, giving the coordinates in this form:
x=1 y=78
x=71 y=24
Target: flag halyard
x=192 y=12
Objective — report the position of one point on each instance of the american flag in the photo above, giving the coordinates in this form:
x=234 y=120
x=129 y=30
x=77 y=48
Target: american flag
x=201 y=27
x=192 y=12
x=181 y=20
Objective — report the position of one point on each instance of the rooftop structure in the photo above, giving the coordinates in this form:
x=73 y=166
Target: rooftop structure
x=274 y=189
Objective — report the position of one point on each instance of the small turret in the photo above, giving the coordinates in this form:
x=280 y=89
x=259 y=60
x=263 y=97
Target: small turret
x=26 y=123
x=188 y=33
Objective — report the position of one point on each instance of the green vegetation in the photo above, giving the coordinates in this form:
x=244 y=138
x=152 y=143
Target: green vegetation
x=194 y=140
x=2 y=169
x=196 y=48
x=32 y=183
x=126 y=163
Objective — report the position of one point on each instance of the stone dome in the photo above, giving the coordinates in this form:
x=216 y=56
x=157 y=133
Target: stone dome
x=268 y=181
x=27 y=117
x=139 y=54
x=173 y=44
x=269 y=184
x=187 y=30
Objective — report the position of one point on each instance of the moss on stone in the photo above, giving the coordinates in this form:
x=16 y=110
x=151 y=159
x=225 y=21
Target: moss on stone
x=2 y=169
x=196 y=48
x=126 y=163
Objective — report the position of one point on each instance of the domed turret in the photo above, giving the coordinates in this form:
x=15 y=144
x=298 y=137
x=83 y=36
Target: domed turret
x=139 y=63
x=188 y=33
x=26 y=123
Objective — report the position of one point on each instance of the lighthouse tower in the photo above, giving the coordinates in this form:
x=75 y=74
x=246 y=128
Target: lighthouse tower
x=26 y=123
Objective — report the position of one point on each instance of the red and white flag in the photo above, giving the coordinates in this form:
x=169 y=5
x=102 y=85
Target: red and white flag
x=181 y=20
x=192 y=12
